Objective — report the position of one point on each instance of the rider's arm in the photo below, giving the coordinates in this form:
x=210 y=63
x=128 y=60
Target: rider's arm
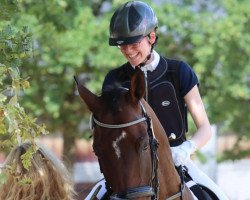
x=198 y=113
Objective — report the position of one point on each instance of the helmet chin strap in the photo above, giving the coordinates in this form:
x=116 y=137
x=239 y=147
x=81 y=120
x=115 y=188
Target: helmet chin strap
x=149 y=55
x=146 y=60
x=145 y=73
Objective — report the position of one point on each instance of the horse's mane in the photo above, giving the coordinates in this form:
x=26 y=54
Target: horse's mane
x=111 y=96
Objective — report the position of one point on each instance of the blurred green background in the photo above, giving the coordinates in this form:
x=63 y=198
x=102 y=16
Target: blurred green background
x=43 y=44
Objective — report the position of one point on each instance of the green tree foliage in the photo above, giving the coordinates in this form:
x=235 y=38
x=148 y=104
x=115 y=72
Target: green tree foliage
x=16 y=125
x=70 y=37
x=214 y=39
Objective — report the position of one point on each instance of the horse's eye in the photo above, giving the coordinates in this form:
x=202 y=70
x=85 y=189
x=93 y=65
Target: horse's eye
x=145 y=147
x=143 y=144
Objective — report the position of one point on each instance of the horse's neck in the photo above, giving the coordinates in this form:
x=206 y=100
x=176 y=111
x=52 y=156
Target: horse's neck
x=168 y=176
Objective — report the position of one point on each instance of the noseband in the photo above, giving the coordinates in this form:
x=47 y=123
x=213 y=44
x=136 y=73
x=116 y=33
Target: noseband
x=153 y=188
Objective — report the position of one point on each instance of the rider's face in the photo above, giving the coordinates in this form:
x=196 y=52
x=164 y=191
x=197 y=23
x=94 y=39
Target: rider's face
x=137 y=53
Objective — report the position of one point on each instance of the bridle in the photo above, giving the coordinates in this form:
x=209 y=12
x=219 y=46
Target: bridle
x=142 y=191
x=153 y=188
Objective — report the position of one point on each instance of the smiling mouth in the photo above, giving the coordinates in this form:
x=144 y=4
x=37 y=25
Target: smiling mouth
x=132 y=56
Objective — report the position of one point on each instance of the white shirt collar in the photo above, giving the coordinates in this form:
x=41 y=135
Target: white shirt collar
x=153 y=64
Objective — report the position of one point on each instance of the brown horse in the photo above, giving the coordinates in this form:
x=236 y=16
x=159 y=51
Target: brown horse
x=128 y=139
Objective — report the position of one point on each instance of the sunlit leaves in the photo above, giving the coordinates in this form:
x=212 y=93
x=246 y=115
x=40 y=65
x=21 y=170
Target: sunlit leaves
x=15 y=124
x=27 y=158
x=8 y=8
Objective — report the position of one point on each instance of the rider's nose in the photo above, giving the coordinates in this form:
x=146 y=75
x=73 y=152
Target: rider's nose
x=126 y=48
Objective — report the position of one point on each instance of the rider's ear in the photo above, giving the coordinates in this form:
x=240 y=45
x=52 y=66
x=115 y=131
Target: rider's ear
x=137 y=87
x=152 y=37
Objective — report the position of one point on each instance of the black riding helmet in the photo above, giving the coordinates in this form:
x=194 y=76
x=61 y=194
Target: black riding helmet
x=131 y=22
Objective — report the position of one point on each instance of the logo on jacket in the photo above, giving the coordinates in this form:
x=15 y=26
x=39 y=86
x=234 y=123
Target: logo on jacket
x=165 y=103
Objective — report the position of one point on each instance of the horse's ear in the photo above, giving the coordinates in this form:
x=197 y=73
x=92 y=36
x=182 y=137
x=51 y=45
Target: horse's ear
x=91 y=100
x=137 y=87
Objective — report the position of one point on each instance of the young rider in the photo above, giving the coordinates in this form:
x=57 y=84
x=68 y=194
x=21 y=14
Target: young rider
x=172 y=86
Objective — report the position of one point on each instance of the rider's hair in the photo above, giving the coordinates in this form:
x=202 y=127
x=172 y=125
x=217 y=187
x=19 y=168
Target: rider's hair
x=45 y=179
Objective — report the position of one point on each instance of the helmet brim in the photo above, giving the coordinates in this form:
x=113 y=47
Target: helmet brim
x=124 y=41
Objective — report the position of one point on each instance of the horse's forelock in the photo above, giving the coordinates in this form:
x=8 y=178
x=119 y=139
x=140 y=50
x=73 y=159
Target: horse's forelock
x=112 y=97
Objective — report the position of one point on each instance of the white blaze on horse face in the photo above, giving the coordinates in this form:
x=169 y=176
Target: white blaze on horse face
x=115 y=144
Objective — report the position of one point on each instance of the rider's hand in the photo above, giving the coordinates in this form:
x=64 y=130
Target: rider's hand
x=181 y=154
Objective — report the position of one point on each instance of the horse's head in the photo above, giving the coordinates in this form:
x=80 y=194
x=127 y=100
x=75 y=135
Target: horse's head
x=121 y=136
